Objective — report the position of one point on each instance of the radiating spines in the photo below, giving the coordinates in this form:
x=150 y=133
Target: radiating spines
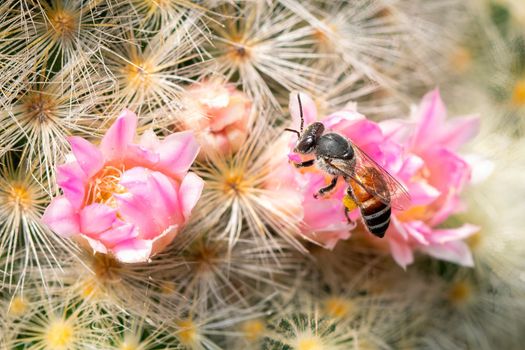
x=260 y=46
x=152 y=15
x=25 y=242
x=54 y=321
x=473 y=312
x=345 y=86
x=110 y=286
x=150 y=71
x=209 y=274
x=254 y=204
x=130 y=331
x=60 y=31
x=47 y=110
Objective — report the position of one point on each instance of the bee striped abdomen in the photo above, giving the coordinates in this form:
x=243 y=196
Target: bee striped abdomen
x=375 y=213
x=376 y=216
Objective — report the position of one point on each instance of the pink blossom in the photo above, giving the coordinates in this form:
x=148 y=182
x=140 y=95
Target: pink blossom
x=421 y=154
x=124 y=198
x=223 y=114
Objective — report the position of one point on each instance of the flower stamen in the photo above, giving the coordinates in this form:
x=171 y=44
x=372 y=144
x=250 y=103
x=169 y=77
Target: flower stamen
x=105 y=185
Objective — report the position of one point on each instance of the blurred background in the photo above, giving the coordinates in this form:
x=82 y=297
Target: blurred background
x=240 y=274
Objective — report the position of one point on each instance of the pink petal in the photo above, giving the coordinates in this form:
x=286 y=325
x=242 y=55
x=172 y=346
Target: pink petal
x=162 y=241
x=119 y=135
x=133 y=251
x=448 y=171
x=457 y=252
x=455 y=234
x=118 y=234
x=431 y=116
x=361 y=132
x=418 y=231
x=459 y=131
x=396 y=129
x=411 y=165
x=309 y=110
x=95 y=244
x=137 y=209
x=140 y=156
x=96 y=218
x=149 y=140
x=72 y=180
x=159 y=191
x=421 y=193
x=177 y=152
x=62 y=217
x=190 y=192
x=87 y=155
x=401 y=252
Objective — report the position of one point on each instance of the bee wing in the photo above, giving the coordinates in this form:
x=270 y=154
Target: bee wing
x=374 y=179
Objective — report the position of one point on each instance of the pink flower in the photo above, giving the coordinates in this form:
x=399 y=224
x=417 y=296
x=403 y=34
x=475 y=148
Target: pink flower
x=421 y=154
x=123 y=198
x=435 y=175
x=223 y=114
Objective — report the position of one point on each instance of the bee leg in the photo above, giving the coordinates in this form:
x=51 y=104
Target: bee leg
x=347 y=216
x=349 y=204
x=328 y=188
x=304 y=164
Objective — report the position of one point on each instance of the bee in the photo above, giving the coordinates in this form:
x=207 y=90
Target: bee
x=370 y=187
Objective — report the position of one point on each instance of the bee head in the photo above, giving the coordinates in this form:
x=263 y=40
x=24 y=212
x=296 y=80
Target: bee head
x=307 y=139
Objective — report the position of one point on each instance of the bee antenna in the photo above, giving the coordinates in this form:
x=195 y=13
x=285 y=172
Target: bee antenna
x=294 y=131
x=300 y=110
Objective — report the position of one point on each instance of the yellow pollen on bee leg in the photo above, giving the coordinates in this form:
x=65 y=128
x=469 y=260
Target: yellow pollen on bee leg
x=349 y=203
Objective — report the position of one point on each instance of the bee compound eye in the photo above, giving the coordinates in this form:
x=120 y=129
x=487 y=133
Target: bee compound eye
x=306 y=145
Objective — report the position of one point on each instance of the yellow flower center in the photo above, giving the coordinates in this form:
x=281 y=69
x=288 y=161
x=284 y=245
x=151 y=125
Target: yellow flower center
x=63 y=23
x=239 y=50
x=105 y=268
x=139 y=73
x=474 y=241
x=104 y=186
x=90 y=288
x=168 y=287
x=188 y=332
x=18 y=306
x=337 y=307
x=59 y=335
x=461 y=59
x=253 y=329
x=39 y=107
x=129 y=343
x=460 y=293
x=518 y=95
x=20 y=196
x=309 y=343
